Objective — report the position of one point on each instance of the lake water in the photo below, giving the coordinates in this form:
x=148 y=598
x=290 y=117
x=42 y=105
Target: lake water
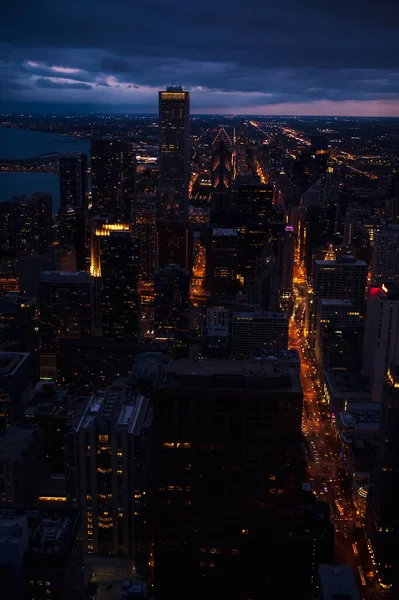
x=18 y=143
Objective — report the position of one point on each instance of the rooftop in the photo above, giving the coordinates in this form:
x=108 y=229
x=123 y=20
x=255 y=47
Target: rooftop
x=11 y=361
x=65 y=277
x=337 y=582
x=14 y=441
x=256 y=315
x=49 y=529
x=222 y=232
x=342 y=381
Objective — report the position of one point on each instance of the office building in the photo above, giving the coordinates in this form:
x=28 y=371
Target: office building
x=222 y=261
x=174 y=243
x=253 y=332
x=66 y=307
x=221 y=172
x=107 y=462
x=341 y=385
x=337 y=581
x=119 y=285
x=385 y=263
x=28 y=222
x=381 y=336
x=339 y=334
x=18 y=324
x=144 y=230
x=21 y=465
x=42 y=550
x=217 y=316
x=226 y=466
x=171 y=294
x=319 y=156
x=256 y=198
x=73 y=180
x=16 y=379
x=343 y=278
x=286 y=241
x=73 y=230
x=382 y=516
x=113 y=176
x=265 y=285
x=174 y=152
x=30 y=266
x=53 y=408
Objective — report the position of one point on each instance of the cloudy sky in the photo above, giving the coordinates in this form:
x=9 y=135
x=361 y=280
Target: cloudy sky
x=312 y=57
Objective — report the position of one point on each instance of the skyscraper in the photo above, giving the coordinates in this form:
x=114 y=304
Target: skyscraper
x=171 y=292
x=253 y=332
x=222 y=261
x=221 y=172
x=113 y=171
x=73 y=180
x=381 y=336
x=385 y=266
x=26 y=223
x=119 y=286
x=319 y=155
x=382 y=510
x=174 y=151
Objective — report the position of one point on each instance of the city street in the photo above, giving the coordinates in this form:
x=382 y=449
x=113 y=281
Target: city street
x=326 y=468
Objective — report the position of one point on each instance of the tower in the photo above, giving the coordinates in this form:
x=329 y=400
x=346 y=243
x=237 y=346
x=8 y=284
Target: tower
x=385 y=266
x=73 y=180
x=174 y=152
x=222 y=169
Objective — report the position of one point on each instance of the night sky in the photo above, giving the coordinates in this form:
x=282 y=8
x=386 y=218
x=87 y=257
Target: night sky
x=312 y=57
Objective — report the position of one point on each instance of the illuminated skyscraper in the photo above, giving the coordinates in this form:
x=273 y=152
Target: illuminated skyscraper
x=222 y=170
x=385 y=267
x=174 y=151
x=113 y=169
x=73 y=180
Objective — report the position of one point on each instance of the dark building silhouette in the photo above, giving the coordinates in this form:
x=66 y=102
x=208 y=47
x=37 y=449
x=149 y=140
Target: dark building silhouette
x=113 y=172
x=222 y=261
x=171 y=293
x=18 y=323
x=174 y=152
x=174 y=243
x=319 y=156
x=27 y=222
x=16 y=379
x=73 y=180
x=119 y=286
x=255 y=198
x=225 y=478
x=221 y=172
x=30 y=267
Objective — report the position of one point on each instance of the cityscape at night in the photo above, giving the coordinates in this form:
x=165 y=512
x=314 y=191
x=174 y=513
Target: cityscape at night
x=199 y=302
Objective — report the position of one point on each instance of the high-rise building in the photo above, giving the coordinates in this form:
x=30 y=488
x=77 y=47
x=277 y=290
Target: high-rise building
x=119 y=286
x=144 y=228
x=174 y=152
x=286 y=241
x=43 y=552
x=337 y=581
x=16 y=380
x=113 y=173
x=217 y=316
x=319 y=156
x=30 y=266
x=226 y=468
x=385 y=265
x=72 y=230
x=174 y=242
x=221 y=172
x=66 y=307
x=255 y=198
x=382 y=513
x=21 y=465
x=28 y=222
x=107 y=462
x=171 y=293
x=18 y=324
x=73 y=180
x=222 y=261
x=381 y=336
x=253 y=332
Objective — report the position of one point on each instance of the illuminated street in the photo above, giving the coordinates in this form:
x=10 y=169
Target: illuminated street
x=326 y=469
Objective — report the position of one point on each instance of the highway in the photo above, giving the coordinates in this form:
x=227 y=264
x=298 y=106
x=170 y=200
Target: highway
x=326 y=468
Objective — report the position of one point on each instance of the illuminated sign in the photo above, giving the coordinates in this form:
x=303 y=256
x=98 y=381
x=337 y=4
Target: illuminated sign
x=384 y=288
x=289 y=228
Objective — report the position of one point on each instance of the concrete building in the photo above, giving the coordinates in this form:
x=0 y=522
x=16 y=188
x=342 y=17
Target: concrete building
x=253 y=332
x=21 y=465
x=381 y=336
x=16 y=379
x=341 y=386
x=42 y=549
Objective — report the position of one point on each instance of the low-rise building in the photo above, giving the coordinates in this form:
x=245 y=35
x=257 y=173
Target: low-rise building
x=342 y=385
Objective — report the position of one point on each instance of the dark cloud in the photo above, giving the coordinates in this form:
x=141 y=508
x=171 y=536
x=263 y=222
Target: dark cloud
x=254 y=54
x=61 y=85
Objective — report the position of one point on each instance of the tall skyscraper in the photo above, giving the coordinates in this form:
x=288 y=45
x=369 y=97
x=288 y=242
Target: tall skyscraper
x=144 y=227
x=221 y=172
x=222 y=261
x=319 y=156
x=73 y=180
x=174 y=151
x=113 y=172
x=385 y=266
x=27 y=222
x=171 y=293
x=382 y=510
x=119 y=286
x=226 y=469
x=381 y=336
x=174 y=242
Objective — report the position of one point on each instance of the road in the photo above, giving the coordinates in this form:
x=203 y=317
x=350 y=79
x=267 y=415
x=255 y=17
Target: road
x=326 y=468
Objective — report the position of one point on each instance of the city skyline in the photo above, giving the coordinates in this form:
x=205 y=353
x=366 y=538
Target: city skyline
x=268 y=61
